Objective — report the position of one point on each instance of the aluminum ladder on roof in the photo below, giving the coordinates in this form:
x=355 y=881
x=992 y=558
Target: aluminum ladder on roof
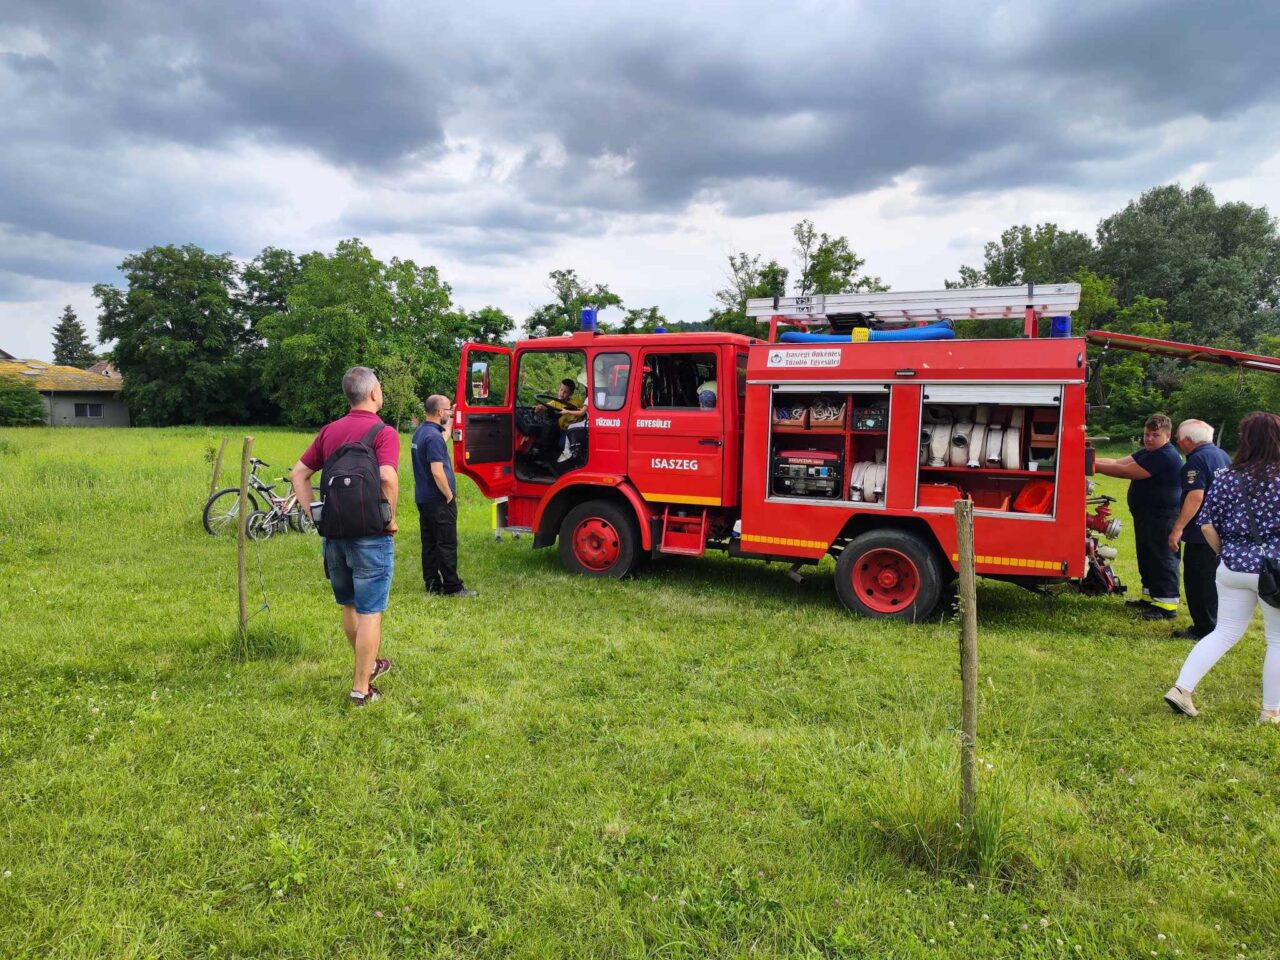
x=926 y=306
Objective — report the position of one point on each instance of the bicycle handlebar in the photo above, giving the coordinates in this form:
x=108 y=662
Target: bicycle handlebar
x=258 y=463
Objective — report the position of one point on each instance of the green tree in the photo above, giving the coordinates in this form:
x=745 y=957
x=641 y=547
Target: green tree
x=177 y=330
x=748 y=279
x=349 y=308
x=643 y=320
x=401 y=398
x=1041 y=254
x=1217 y=266
x=265 y=282
x=564 y=313
x=71 y=347
x=337 y=311
x=828 y=265
x=20 y=403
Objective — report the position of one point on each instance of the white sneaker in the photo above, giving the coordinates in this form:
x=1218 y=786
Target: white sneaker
x=1179 y=701
x=565 y=456
x=1273 y=718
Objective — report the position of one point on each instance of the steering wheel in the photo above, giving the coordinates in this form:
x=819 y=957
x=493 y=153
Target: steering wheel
x=547 y=398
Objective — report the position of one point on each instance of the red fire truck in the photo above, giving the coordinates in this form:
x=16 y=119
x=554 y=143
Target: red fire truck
x=849 y=431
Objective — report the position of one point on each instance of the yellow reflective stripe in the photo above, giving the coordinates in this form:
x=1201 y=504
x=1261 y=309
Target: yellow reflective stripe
x=1012 y=562
x=785 y=542
x=680 y=498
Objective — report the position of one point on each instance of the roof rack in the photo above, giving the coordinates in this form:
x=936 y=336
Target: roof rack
x=924 y=306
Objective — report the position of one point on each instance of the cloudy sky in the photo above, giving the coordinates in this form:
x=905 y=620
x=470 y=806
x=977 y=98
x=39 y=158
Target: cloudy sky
x=640 y=146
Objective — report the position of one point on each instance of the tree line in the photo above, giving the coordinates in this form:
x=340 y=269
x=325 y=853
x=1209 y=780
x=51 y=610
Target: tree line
x=200 y=338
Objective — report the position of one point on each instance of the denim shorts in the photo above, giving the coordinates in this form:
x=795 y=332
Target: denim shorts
x=360 y=571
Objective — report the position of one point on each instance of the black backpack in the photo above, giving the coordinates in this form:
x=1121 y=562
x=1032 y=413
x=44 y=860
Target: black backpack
x=351 y=491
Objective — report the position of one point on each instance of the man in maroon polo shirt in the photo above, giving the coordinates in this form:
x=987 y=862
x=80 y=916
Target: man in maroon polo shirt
x=359 y=570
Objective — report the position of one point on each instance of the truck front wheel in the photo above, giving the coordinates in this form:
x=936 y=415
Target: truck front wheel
x=889 y=573
x=599 y=539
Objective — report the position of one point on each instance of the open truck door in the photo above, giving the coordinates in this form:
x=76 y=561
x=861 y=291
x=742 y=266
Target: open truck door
x=484 y=419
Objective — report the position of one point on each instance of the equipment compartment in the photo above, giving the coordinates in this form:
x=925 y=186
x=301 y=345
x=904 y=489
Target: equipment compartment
x=990 y=448
x=829 y=445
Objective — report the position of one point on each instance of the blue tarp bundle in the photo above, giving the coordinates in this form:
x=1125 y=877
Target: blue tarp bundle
x=935 y=331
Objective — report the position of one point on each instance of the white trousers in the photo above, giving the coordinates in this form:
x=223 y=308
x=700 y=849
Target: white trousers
x=1237 y=598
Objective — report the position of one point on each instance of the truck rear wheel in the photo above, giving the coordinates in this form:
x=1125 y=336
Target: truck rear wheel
x=889 y=573
x=599 y=539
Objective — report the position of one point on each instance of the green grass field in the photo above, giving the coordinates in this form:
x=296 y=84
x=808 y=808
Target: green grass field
x=706 y=761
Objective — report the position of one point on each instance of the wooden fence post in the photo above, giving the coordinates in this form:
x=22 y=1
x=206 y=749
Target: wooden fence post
x=968 y=658
x=217 y=467
x=243 y=534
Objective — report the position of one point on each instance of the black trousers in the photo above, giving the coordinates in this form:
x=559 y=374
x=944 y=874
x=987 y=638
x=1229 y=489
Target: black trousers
x=1199 y=570
x=1157 y=564
x=438 y=527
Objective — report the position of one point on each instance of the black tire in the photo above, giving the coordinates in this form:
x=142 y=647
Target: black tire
x=599 y=539
x=300 y=522
x=221 y=513
x=257 y=528
x=904 y=558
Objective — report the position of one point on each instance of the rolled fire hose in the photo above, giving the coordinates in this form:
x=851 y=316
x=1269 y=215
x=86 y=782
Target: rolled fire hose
x=939 y=444
x=1011 y=450
x=867 y=482
x=983 y=416
x=878 y=472
x=977 y=442
x=960 y=437
x=856 y=479
x=994 y=446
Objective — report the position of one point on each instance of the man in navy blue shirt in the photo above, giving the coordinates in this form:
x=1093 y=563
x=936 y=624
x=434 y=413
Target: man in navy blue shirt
x=435 y=490
x=1154 y=473
x=1199 y=562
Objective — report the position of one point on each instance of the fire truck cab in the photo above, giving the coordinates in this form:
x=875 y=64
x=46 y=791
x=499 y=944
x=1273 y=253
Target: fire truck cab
x=851 y=435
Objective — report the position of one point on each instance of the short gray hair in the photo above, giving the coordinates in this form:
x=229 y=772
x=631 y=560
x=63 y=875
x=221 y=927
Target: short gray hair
x=1197 y=431
x=358 y=383
x=435 y=403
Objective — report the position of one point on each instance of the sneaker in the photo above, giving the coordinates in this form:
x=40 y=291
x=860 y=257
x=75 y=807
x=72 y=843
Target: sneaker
x=564 y=456
x=1158 y=613
x=1271 y=718
x=1179 y=701
x=358 y=701
x=1190 y=633
x=380 y=666
x=1137 y=604
x=464 y=592
x=432 y=588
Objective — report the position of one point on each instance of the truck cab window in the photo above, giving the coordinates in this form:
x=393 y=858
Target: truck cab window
x=550 y=414
x=610 y=374
x=676 y=381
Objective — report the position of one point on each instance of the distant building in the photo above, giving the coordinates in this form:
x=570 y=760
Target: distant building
x=7 y=356
x=72 y=397
x=107 y=369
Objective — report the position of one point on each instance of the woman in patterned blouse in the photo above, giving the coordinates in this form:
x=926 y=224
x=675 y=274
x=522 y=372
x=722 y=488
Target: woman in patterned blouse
x=1251 y=485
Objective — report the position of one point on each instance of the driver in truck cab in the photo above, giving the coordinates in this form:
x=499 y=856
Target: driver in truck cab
x=551 y=427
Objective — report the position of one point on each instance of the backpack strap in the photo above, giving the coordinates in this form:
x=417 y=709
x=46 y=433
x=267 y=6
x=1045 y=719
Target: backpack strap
x=372 y=433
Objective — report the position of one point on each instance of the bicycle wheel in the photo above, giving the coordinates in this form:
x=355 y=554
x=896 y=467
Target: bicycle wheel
x=260 y=526
x=222 y=512
x=300 y=521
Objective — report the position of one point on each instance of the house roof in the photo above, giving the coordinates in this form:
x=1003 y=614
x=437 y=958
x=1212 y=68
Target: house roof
x=54 y=379
x=105 y=368
x=5 y=355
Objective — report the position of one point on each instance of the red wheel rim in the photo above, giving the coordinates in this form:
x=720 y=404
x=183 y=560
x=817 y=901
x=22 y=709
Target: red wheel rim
x=886 y=581
x=596 y=544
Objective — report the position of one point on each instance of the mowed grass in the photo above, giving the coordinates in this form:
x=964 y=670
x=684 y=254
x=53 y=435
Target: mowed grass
x=709 y=760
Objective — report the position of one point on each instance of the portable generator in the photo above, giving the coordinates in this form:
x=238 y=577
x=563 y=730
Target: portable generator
x=807 y=473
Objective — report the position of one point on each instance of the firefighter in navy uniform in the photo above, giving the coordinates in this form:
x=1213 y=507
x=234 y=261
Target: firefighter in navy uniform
x=1154 y=473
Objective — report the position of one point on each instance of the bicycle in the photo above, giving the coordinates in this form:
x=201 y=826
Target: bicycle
x=222 y=511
